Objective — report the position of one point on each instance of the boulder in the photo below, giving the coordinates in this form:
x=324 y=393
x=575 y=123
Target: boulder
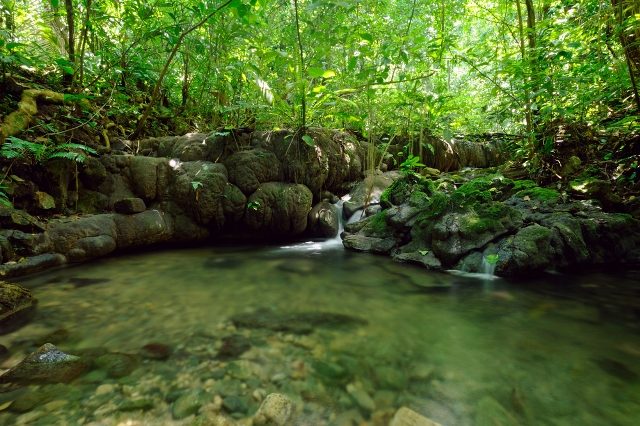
x=457 y=233
x=279 y=208
x=142 y=229
x=129 y=206
x=44 y=201
x=248 y=169
x=199 y=188
x=46 y=365
x=32 y=265
x=275 y=410
x=323 y=220
x=85 y=237
x=93 y=173
x=529 y=250
x=368 y=191
x=148 y=176
x=17 y=306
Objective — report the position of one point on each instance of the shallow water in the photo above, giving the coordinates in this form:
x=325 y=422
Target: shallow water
x=463 y=351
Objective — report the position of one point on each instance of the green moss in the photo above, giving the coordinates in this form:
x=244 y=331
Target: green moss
x=540 y=194
x=521 y=185
x=378 y=223
x=419 y=199
x=482 y=190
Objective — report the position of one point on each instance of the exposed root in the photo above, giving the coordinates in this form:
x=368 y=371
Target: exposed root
x=19 y=120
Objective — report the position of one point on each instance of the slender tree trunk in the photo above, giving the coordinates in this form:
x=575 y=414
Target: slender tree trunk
x=303 y=89
x=630 y=40
x=71 y=40
x=185 y=80
x=83 y=43
x=525 y=82
x=156 y=89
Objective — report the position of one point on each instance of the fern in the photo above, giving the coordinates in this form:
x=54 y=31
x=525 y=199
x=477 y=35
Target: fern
x=67 y=155
x=4 y=199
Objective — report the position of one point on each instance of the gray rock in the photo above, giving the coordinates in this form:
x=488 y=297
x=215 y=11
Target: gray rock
x=187 y=405
x=361 y=398
x=275 y=410
x=368 y=191
x=248 y=169
x=46 y=365
x=279 y=208
x=17 y=307
x=323 y=220
x=142 y=229
x=361 y=242
x=129 y=206
x=32 y=265
x=407 y=417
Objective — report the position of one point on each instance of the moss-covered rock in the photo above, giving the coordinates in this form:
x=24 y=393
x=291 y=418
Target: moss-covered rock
x=530 y=249
x=17 y=306
x=460 y=232
x=248 y=169
x=279 y=208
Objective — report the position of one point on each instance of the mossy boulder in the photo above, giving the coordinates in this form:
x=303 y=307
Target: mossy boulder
x=529 y=250
x=279 y=208
x=248 y=169
x=459 y=232
x=17 y=306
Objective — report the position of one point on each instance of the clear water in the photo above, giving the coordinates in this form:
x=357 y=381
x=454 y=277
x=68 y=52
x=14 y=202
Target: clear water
x=463 y=351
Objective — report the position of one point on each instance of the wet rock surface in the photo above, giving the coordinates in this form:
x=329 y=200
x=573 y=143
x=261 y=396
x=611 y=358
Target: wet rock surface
x=46 y=365
x=486 y=221
x=17 y=306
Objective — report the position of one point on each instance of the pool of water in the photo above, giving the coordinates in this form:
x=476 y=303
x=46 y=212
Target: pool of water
x=349 y=337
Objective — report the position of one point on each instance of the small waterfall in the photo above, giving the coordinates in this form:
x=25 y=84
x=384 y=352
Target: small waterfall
x=330 y=243
x=489 y=264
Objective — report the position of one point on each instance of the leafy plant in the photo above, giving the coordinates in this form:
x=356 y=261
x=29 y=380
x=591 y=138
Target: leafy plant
x=410 y=164
x=40 y=153
x=492 y=259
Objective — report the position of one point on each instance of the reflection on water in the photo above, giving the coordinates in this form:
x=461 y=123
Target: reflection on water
x=245 y=322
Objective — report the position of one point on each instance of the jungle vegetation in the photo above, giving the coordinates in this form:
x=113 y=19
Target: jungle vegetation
x=375 y=67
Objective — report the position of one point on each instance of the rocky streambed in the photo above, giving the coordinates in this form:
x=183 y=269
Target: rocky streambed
x=204 y=336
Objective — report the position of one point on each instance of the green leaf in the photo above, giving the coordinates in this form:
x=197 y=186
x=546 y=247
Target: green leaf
x=55 y=3
x=328 y=74
x=423 y=252
x=315 y=72
x=492 y=259
x=308 y=140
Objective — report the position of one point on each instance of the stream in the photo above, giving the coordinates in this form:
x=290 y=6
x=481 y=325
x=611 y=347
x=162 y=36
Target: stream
x=349 y=337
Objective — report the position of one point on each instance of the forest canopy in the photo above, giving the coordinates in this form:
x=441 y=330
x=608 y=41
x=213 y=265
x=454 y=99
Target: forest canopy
x=372 y=66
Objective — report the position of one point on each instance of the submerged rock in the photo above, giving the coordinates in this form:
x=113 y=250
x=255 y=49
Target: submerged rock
x=233 y=346
x=117 y=364
x=17 y=307
x=275 y=410
x=187 y=404
x=46 y=365
x=296 y=323
x=157 y=351
x=407 y=417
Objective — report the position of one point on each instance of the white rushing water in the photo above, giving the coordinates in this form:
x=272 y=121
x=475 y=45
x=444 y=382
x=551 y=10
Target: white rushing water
x=334 y=243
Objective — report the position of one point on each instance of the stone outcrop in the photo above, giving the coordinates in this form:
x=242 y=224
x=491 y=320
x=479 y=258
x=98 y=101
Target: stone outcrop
x=17 y=306
x=470 y=223
x=182 y=189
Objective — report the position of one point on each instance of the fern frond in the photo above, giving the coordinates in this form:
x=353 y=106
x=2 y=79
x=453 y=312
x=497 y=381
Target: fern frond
x=71 y=156
x=70 y=146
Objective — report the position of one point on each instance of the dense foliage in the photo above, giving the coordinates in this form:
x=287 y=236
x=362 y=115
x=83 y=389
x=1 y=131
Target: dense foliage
x=376 y=67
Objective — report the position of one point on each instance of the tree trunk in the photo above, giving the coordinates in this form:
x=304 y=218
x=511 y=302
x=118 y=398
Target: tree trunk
x=83 y=43
x=71 y=40
x=523 y=57
x=630 y=40
x=156 y=89
x=185 y=80
x=303 y=90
